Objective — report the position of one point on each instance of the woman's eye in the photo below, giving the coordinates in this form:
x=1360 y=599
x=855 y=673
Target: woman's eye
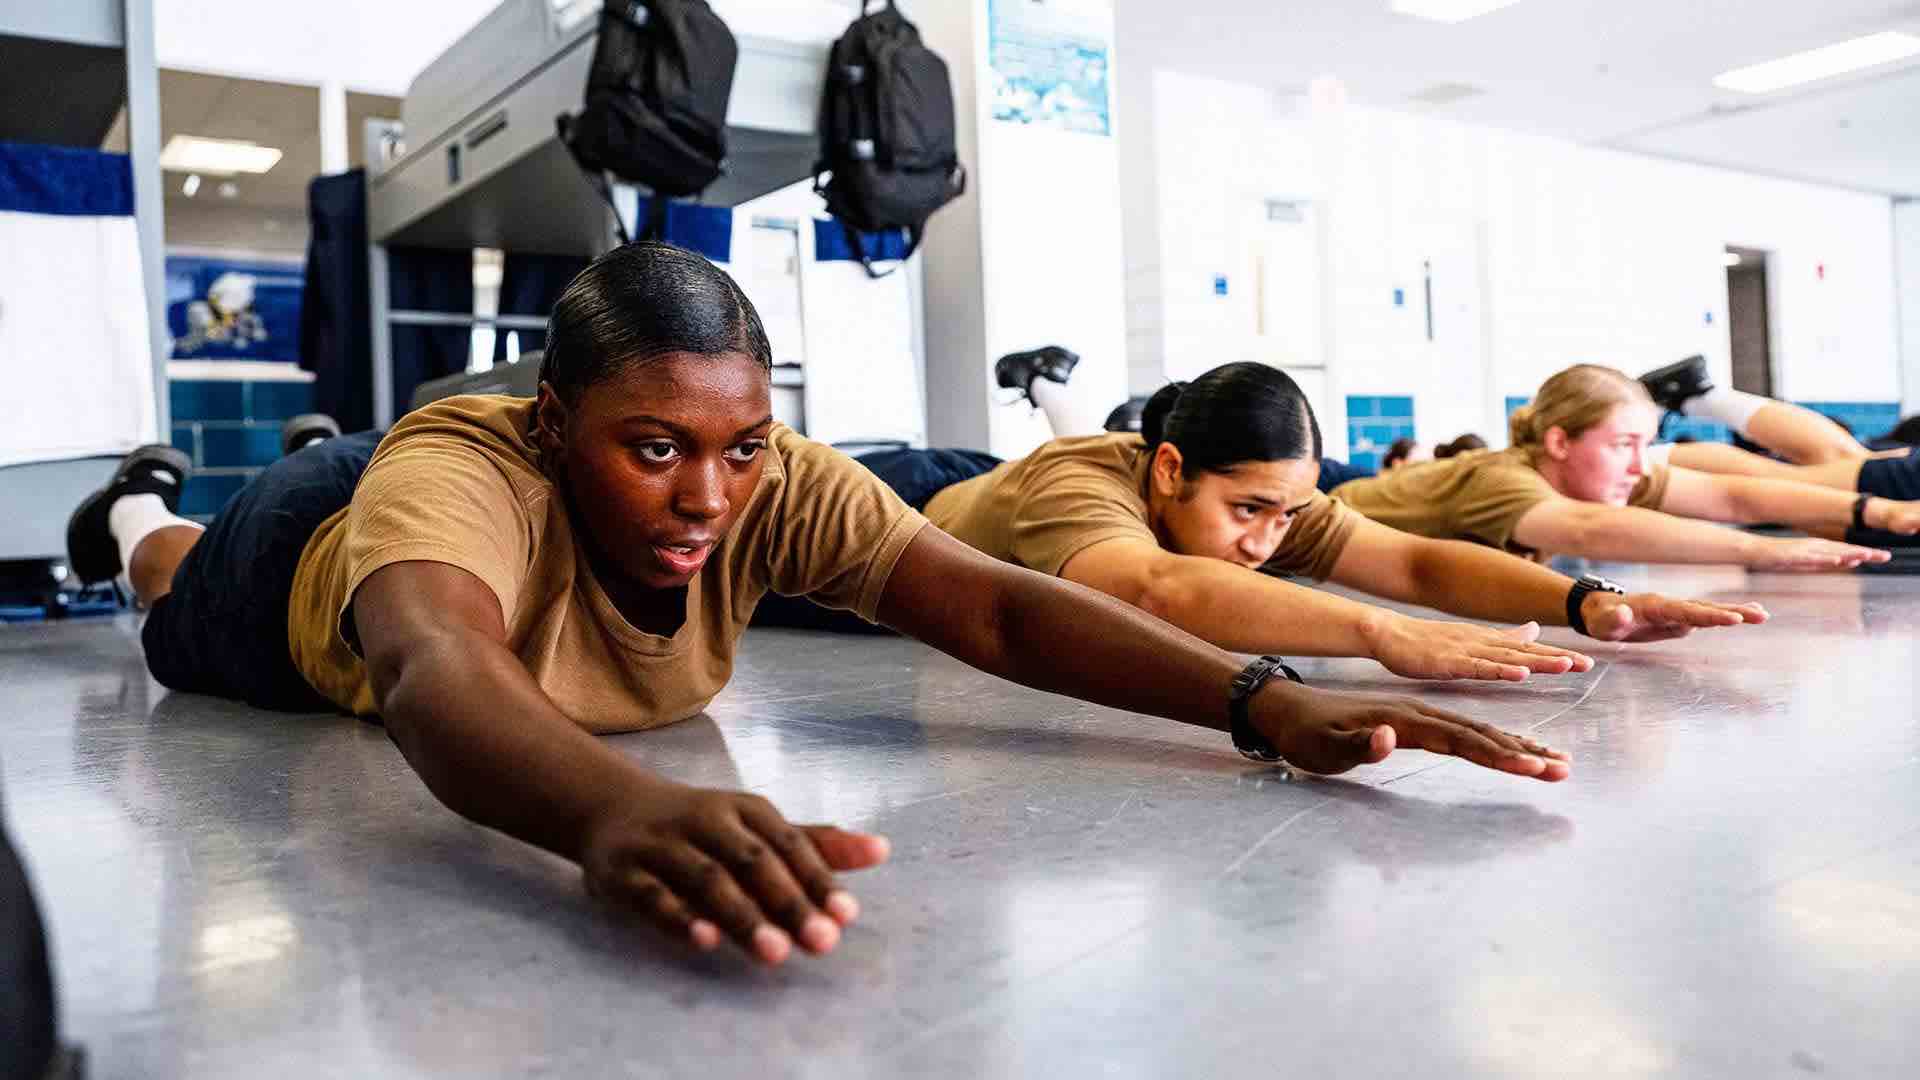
x=658 y=452
x=746 y=451
x=1245 y=513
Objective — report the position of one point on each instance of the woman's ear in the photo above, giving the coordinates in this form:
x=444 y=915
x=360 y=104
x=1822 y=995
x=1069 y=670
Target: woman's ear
x=1167 y=477
x=550 y=418
x=1556 y=443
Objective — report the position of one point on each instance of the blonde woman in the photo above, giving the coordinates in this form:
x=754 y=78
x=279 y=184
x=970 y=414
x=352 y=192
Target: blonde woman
x=1578 y=481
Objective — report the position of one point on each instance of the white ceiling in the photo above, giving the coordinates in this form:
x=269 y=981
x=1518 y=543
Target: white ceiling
x=1634 y=74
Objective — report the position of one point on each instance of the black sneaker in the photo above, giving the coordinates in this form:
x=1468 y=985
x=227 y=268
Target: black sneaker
x=1128 y=415
x=156 y=469
x=1673 y=385
x=305 y=430
x=1016 y=371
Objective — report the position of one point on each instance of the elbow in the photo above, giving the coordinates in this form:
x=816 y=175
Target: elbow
x=1161 y=593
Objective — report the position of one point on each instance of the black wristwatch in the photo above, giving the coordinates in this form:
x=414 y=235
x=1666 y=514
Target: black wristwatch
x=1251 y=744
x=1587 y=585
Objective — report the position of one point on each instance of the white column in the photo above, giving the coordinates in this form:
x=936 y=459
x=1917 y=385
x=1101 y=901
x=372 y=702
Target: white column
x=333 y=128
x=1906 y=254
x=1031 y=254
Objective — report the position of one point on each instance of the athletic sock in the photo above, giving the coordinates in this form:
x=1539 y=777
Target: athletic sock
x=133 y=518
x=1734 y=408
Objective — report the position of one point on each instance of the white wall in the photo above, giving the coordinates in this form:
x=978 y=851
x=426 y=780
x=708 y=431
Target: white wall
x=1029 y=256
x=1906 y=230
x=863 y=371
x=1571 y=254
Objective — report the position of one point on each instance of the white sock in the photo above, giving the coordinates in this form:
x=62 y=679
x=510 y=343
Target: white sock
x=1734 y=408
x=1066 y=412
x=133 y=518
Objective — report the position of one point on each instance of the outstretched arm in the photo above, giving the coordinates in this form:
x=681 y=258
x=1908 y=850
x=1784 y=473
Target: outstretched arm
x=1632 y=534
x=1709 y=457
x=1479 y=582
x=495 y=749
x=1057 y=636
x=1753 y=500
x=1246 y=611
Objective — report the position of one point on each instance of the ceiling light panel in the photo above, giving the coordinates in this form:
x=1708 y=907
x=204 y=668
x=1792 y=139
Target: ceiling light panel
x=1448 y=11
x=216 y=157
x=1823 y=63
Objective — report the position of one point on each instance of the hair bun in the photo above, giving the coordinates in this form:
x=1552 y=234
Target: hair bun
x=1520 y=426
x=1153 y=418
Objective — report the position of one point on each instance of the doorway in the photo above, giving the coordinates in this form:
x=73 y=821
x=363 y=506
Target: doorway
x=1748 y=326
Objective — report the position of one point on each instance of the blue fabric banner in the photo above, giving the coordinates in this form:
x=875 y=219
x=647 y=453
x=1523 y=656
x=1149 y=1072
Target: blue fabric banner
x=64 y=180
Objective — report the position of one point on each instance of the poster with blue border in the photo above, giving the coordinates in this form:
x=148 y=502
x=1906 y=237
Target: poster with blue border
x=234 y=309
x=1051 y=62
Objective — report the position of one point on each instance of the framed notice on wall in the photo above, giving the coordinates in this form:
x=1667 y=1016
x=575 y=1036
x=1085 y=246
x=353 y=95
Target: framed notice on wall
x=1051 y=63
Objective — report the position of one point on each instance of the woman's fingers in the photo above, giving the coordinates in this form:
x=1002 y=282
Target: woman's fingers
x=765 y=875
x=845 y=850
x=706 y=885
x=645 y=895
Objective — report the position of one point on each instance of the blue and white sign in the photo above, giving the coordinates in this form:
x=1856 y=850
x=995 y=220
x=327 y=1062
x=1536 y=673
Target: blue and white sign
x=1051 y=63
x=223 y=309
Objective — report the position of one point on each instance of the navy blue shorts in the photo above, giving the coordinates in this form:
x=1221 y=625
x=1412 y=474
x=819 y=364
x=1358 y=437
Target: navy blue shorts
x=1892 y=478
x=223 y=628
x=1334 y=473
x=914 y=475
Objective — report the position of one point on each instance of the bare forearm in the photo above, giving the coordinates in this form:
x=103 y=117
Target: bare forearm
x=1632 y=534
x=1822 y=511
x=493 y=748
x=1251 y=612
x=1066 y=639
x=1478 y=582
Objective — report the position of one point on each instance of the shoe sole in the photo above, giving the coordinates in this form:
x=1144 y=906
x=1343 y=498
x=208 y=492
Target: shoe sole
x=94 y=563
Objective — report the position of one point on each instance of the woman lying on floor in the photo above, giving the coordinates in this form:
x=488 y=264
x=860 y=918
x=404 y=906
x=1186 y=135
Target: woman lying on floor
x=1577 y=482
x=1817 y=450
x=1221 y=483
x=499 y=578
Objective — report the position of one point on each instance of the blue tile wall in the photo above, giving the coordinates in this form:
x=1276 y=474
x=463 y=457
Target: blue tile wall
x=1673 y=427
x=207 y=492
x=231 y=429
x=1515 y=402
x=253 y=446
x=278 y=401
x=207 y=399
x=1868 y=419
x=1373 y=423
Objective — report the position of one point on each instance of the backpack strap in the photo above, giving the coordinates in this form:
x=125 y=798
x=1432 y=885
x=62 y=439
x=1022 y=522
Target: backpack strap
x=857 y=240
x=656 y=228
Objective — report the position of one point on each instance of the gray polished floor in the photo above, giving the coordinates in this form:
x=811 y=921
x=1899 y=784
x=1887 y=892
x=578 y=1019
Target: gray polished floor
x=1729 y=886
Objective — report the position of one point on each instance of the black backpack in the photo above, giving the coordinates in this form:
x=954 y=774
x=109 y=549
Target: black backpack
x=656 y=108
x=888 y=158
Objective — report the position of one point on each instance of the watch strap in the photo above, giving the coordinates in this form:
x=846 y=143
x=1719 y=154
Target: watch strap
x=1251 y=744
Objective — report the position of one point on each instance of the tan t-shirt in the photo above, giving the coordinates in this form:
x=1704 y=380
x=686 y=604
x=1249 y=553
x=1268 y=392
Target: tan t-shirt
x=459 y=482
x=1043 y=509
x=1479 y=495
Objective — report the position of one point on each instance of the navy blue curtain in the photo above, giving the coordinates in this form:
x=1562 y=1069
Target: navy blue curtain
x=428 y=279
x=336 y=340
x=529 y=285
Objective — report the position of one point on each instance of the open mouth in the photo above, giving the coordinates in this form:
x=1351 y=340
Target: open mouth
x=682 y=558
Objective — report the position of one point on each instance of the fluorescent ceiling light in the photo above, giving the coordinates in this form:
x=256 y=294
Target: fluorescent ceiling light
x=216 y=157
x=192 y=186
x=1449 y=11
x=1822 y=63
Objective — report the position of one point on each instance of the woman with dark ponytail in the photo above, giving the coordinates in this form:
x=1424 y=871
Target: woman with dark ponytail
x=498 y=579
x=1219 y=484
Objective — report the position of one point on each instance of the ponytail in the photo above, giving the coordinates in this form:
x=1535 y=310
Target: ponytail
x=1153 y=418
